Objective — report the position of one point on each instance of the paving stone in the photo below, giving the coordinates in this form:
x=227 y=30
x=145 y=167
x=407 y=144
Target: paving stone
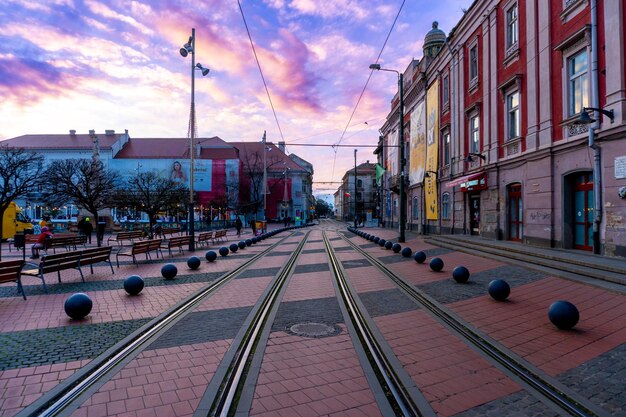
x=314 y=251
x=302 y=269
x=449 y=291
x=61 y=344
x=355 y=263
x=394 y=259
x=437 y=251
x=321 y=310
x=385 y=302
x=343 y=249
x=520 y=404
x=204 y=326
x=601 y=380
x=259 y=272
x=280 y=253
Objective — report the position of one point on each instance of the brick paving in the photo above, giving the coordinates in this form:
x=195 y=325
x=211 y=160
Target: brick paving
x=311 y=375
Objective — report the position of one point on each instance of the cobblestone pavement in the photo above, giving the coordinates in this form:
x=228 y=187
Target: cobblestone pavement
x=312 y=374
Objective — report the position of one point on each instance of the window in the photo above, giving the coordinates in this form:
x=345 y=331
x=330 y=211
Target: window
x=473 y=64
x=446 y=89
x=513 y=115
x=446 y=148
x=578 y=79
x=416 y=209
x=511 y=26
x=359 y=196
x=359 y=183
x=474 y=134
x=445 y=206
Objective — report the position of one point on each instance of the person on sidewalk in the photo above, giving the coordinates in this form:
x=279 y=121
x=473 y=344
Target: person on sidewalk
x=238 y=226
x=41 y=242
x=88 y=229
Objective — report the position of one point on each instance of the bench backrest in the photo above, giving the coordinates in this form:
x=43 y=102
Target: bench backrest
x=95 y=255
x=220 y=233
x=205 y=235
x=59 y=261
x=178 y=240
x=10 y=270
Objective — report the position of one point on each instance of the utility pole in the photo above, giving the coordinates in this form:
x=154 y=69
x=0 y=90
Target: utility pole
x=264 y=176
x=402 y=160
x=355 y=190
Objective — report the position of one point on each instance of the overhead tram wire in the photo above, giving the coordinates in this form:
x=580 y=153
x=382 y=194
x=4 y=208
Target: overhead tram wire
x=260 y=70
x=366 y=83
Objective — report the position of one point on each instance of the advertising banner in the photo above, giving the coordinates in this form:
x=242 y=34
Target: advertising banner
x=417 y=144
x=432 y=147
x=392 y=153
x=176 y=169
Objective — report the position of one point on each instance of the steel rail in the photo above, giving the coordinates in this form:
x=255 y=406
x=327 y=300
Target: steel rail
x=224 y=403
x=553 y=394
x=62 y=399
x=397 y=395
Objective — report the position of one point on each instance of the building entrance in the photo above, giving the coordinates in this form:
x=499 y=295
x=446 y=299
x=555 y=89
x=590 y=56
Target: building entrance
x=583 y=212
x=516 y=216
x=474 y=201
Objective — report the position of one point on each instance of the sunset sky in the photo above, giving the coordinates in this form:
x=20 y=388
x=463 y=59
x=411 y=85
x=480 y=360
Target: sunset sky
x=115 y=64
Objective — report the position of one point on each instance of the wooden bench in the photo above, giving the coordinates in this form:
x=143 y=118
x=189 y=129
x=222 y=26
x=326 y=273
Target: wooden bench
x=11 y=271
x=169 y=231
x=176 y=242
x=96 y=255
x=55 y=263
x=142 y=246
x=122 y=236
x=220 y=234
x=204 y=238
x=67 y=242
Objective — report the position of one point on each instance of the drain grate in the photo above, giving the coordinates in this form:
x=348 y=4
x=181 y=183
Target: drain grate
x=314 y=330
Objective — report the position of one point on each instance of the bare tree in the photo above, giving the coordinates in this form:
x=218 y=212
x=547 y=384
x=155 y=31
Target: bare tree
x=150 y=193
x=20 y=173
x=82 y=182
x=251 y=185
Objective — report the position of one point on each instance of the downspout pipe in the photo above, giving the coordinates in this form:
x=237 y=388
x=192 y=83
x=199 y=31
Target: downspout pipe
x=595 y=102
x=453 y=138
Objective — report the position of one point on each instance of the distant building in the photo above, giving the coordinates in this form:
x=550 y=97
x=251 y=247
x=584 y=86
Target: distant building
x=364 y=195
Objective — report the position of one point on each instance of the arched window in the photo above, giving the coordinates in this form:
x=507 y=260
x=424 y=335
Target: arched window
x=416 y=209
x=445 y=206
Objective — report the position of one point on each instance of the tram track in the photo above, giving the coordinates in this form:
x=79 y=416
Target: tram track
x=67 y=396
x=544 y=387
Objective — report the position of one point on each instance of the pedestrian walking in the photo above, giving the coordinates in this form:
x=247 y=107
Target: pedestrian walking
x=238 y=225
x=88 y=229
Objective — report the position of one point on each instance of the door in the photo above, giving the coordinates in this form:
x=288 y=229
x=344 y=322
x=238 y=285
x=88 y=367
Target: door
x=516 y=217
x=474 y=201
x=583 y=212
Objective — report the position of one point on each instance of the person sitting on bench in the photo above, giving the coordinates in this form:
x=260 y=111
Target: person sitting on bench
x=41 y=242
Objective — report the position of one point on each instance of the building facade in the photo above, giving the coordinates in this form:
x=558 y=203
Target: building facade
x=517 y=117
x=359 y=199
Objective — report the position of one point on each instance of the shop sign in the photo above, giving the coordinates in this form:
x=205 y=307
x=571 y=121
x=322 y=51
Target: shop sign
x=474 y=184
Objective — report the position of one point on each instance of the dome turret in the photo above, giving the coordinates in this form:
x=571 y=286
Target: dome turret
x=434 y=41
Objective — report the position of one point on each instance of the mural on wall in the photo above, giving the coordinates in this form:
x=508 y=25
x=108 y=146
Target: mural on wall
x=432 y=148
x=175 y=169
x=418 y=144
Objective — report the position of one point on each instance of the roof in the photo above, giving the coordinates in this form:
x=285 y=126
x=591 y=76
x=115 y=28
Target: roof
x=168 y=148
x=62 y=141
x=276 y=159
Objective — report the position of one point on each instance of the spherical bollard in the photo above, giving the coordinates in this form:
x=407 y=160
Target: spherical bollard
x=133 y=284
x=382 y=242
x=169 y=271
x=194 y=262
x=461 y=274
x=78 y=305
x=211 y=256
x=233 y=247
x=436 y=264
x=396 y=248
x=499 y=289
x=563 y=314
x=388 y=245
x=223 y=251
x=419 y=257
x=242 y=245
x=376 y=240
x=248 y=242
x=254 y=240
x=406 y=252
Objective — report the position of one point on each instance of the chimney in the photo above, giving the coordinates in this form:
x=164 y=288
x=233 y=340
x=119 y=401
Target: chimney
x=109 y=132
x=72 y=132
x=281 y=146
x=92 y=133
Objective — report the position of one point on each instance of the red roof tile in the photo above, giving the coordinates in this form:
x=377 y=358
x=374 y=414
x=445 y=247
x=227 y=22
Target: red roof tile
x=63 y=141
x=275 y=157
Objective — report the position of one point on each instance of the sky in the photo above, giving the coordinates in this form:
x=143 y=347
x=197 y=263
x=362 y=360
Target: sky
x=115 y=64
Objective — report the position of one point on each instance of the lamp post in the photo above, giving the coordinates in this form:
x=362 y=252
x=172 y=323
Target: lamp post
x=377 y=67
x=264 y=177
x=355 y=190
x=190 y=48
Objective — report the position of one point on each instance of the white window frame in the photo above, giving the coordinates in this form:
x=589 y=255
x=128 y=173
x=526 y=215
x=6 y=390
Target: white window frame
x=445 y=206
x=474 y=133
x=579 y=80
x=446 y=147
x=509 y=111
x=473 y=64
x=512 y=26
x=446 y=89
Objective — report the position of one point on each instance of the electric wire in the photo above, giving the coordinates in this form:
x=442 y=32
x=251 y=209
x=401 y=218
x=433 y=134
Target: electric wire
x=366 y=84
x=260 y=70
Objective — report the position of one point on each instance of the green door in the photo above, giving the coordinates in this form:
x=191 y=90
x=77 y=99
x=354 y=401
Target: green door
x=583 y=212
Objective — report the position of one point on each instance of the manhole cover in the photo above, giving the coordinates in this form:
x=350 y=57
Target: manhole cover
x=314 y=329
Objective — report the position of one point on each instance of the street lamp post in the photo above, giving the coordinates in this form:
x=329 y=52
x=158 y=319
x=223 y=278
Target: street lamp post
x=264 y=177
x=355 y=190
x=402 y=225
x=190 y=48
